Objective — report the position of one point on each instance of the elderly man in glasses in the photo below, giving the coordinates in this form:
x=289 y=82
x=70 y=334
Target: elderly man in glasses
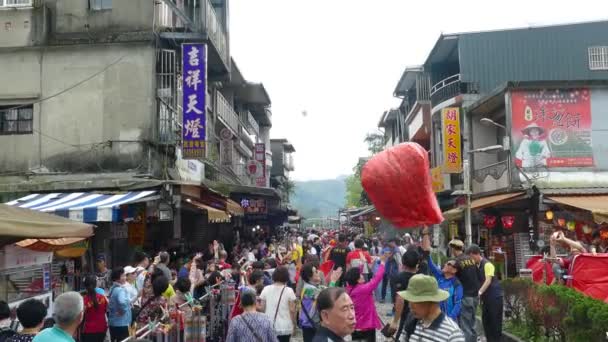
x=446 y=277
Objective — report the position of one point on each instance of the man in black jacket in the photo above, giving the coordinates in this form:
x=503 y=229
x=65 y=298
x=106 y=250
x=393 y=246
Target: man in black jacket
x=468 y=276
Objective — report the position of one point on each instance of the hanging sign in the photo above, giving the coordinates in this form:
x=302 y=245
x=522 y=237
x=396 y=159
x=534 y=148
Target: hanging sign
x=194 y=110
x=452 y=154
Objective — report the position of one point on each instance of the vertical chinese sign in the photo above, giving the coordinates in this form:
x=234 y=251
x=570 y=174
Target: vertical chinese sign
x=437 y=179
x=260 y=157
x=551 y=128
x=450 y=126
x=194 y=108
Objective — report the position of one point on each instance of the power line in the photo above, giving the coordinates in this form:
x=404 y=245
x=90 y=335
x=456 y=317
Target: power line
x=72 y=86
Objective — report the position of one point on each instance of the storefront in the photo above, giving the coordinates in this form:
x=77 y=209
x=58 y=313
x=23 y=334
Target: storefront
x=29 y=239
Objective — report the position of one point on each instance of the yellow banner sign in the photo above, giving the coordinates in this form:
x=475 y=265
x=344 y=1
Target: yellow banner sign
x=437 y=179
x=452 y=154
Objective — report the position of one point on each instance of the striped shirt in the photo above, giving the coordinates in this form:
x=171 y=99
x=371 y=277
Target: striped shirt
x=241 y=328
x=443 y=329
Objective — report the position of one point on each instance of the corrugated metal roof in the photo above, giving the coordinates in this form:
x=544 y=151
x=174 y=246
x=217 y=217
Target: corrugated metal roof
x=544 y=53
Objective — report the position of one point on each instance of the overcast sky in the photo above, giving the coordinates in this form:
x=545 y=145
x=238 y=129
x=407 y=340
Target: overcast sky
x=339 y=61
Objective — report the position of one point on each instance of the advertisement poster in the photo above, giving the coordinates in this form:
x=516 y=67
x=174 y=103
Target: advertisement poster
x=551 y=128
x=194 y=109
x=452 y=154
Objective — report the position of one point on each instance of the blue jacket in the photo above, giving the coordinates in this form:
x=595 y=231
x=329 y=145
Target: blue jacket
x=119 y=308
x=450 y=306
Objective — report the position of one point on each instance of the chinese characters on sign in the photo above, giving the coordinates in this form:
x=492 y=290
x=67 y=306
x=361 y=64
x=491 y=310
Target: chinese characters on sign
x=194 y=88
x=437 y=179
x=260 y=156
x=254 y=206
x=551 y=128
x=452 y=155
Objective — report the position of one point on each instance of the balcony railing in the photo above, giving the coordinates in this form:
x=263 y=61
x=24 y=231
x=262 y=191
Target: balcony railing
x=202 y=16
x=445 y=89
x=215 y=30
x=451 y=87
x=16 y=3
x=249 y=123
x=289 y=164
x=226 y=113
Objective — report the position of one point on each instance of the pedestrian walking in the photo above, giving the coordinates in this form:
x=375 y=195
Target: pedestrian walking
x=362 y=295
x=68 y=311
x=491 y=296
x=130 y=284
x=391 y=270
x=410 y=262
x=31 y=314
x=468 y=275
x=250 y=325
x=119 y=307
x=95 y=308
x=359 y=258
x=278 y=302
x=430 y=324
x=104 y=274
x=337 y=315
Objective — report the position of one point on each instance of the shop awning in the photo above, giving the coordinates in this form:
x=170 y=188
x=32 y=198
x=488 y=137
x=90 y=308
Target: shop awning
x=453 y=214
x=489 y=201
x=365 y=211
x=213 y=215
x=234 y=208
x=596 y=204
x=83 y=206
x=25 y=223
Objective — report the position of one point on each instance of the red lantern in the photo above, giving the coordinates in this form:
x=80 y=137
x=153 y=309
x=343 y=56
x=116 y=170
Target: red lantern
x=507 y=221
x=561 y=222
x=489 y=221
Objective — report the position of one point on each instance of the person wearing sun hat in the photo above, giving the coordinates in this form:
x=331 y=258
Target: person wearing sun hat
x=430 y=323
x=533 y=150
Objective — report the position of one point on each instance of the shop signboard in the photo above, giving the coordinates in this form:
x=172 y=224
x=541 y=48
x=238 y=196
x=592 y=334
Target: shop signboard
x=437 y=179
x=15 y=256
x=188 y=169
x=226 y=147
x=194 y=88
x=551 y=128
x=450 y=126
x=254 y=206
x=46 y=277
x=260 y=157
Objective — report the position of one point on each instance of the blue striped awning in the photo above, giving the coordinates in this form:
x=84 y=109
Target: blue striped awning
x=83 y=206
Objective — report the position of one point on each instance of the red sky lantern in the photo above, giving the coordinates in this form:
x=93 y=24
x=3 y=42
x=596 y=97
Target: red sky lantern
x=507 y=221
x=489 y=221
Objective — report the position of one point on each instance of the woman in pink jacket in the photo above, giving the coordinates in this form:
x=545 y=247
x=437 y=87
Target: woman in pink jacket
x=362 y=295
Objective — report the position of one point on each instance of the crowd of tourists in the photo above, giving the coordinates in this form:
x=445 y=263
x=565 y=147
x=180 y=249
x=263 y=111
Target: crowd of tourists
x=324 y=283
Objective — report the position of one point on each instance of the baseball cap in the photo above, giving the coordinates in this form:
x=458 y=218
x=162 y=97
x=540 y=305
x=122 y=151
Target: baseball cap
x=130 y=269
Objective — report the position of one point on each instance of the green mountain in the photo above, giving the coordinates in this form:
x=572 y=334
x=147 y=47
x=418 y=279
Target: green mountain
x=319 y=198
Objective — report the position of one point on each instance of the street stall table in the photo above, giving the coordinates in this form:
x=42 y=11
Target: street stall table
x=27 y=241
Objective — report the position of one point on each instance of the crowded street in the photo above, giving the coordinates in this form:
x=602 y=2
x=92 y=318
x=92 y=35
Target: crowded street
x=303 y=170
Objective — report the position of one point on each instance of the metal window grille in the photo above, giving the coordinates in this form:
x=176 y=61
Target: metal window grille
x=16 y=3
x=598 y=58
x=166 y=89
x=97 y=5
x=16 y=121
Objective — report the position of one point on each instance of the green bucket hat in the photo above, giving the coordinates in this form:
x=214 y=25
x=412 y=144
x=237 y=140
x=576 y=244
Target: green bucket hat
x=422 y=288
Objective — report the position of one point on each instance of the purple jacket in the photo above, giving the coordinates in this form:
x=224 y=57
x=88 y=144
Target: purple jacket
x=363 y=298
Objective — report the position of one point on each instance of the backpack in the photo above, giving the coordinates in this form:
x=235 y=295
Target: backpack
x=6 y=333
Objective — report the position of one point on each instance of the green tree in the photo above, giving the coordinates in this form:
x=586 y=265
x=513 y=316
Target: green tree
x=375 y=142
x=355 y=195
